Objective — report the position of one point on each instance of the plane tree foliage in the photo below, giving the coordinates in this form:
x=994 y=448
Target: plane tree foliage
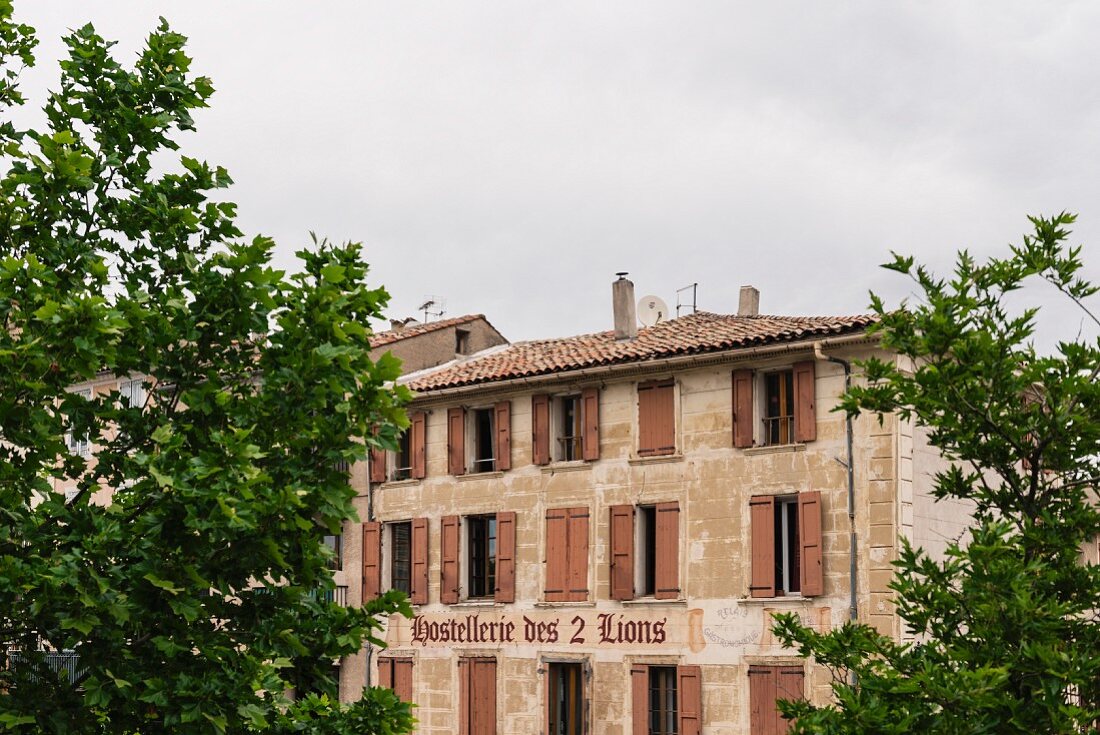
x=1005 y=628
x=197 y=598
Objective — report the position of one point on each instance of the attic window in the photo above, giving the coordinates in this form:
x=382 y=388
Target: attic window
x=462 y=341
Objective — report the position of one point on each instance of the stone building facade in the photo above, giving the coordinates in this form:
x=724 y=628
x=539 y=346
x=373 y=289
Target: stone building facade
x=595 y=530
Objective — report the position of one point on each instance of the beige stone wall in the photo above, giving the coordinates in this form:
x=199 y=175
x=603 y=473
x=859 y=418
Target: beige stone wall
x=438 y=346
x=715 y=624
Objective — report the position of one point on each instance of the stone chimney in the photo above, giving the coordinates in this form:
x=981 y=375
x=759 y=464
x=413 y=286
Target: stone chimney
x=622 y=301
x=749 y=304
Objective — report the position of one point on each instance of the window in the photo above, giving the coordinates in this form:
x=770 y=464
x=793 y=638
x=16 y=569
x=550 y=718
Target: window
x=396 y=674
x=667 y=700
x=402 y=464
x=645 y=551
x=80 y=445
x=767 y=685
x=565 y=428
x=335 y=544
x=481 y=550
x=567 y=554
x=775 y=407
x=786 y=545
x=656 y=419
x=490 y=439
x=477 y=696
x=410 y=459
x=565 y=698
x=462 y=341
x=485 y=546
x=132 y=393
x=404 y=558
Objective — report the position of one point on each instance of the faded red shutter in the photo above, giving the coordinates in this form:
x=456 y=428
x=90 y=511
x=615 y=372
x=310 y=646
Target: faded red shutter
x=742 y=408
x=689 y=695
x=456 y=441
x=377 y=464
x=667 y=563
x=372 y=560
x=465 y=692
x=763 y=718
x=656 y=420
x=557 y=551
x=484 y=709
x=622 y=552
x=811 y=571
x=762 y=512
x=639 y=691
x=403 y=679
x=790 y=684
x=419 y=544
x=504 y=435
x=578 y=554
x=590 y=443
x=385 y=672
x=448 y=561
x=419 y=444
x=805 y=412
x=540 y=429
x=506 y=557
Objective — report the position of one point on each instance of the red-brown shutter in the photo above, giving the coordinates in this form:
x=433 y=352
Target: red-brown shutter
x=578 y=554
x=805 y=412
x=656 y=420
x=590 y=442
x=622 y=552
x=506 y=557
x=465 y=691
x=763 y=717
x=456 y=441
x=385 y=672
x=504 y=435
x=372 y=560
x=790 y=684
x=419 y=544
x=742 y=408
x=762 y=512
x=540 y=429
x=689 y=696
x=557 y=555
x=639 y=691
x=448 y=561
x=377 y=464
x=811 y=569
x=418 y=442
x=667 y=563
x=481 y=697
x=403 y=679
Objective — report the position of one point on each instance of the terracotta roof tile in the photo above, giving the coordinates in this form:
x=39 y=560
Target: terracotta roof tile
x=697 y=333
x=413 y=330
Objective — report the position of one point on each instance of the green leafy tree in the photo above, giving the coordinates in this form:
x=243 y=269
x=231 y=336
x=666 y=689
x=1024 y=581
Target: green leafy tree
x=1006 y=625
x=116 y=260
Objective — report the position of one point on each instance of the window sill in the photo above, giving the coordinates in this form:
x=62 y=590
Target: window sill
x=786 y=599
x=574 y=466
x=477 y=603
x=658 y=459
x=654 y=602
x=775 y=449
x=471 y=476
x=564 y=603
x=411 y=482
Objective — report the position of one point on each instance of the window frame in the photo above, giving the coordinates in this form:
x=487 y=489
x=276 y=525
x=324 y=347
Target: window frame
x=336 y=563
x=771 y=570
x=762 y=435
x=490 y=552
x=81 y=447
x=474 y=465
x=396 y=471
x=581 y=708
x=559 y=439
x=390 y=556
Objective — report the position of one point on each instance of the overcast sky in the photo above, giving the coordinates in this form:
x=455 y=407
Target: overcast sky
x=510 y=157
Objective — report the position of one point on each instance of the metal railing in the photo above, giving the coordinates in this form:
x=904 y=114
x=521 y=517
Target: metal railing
x=57 y=662
x=778 y=430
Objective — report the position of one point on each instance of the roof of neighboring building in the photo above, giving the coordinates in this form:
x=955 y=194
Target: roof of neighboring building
x=698 y=333
x=414 y=330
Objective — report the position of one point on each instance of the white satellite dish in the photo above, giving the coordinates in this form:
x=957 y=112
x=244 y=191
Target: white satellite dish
x=652 y=310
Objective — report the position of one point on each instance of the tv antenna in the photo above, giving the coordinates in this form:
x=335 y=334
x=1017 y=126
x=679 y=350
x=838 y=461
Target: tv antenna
x=694 y=288
x=426 y=307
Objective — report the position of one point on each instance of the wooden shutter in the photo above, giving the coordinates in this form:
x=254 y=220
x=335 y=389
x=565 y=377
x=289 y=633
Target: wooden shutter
x=418 y=443
x=667 y=560
x=403 y=678
x=465 y=692
x=590 y=441
x=689 y=699
x=377 y=464
x=448 y=560
x=790 y=684
x=762 y=512
x=578 y=554
x=540 y=429
x=372 y=560
x=456 y=441
x=385 y=672
x=506 y=557
x=763 y=717
x=811 y=571
x=503 y=447
x=639 y=691
x=477 y=696
x=419 y=545
x=622 y=552
x=805 y=413
x=742 y=408
x=557 y=555
x=656 y=420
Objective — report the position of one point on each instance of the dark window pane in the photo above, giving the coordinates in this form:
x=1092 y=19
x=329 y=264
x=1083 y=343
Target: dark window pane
x=662 y=700
x=401 y=565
